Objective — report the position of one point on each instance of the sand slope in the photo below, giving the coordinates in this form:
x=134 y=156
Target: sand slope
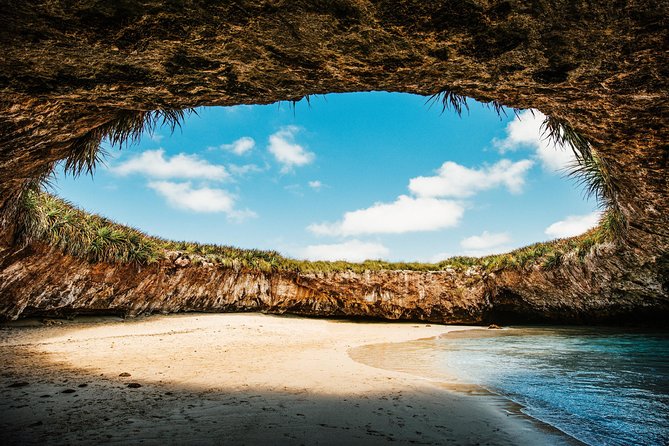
x=234 y=379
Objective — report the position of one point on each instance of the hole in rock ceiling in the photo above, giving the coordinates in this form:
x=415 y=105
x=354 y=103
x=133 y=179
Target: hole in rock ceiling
x=348 y=176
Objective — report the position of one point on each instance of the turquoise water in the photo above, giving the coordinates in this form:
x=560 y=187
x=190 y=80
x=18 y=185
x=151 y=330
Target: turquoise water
x=601 y=386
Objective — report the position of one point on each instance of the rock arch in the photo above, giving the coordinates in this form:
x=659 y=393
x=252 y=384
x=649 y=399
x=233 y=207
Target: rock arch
x=600 y=66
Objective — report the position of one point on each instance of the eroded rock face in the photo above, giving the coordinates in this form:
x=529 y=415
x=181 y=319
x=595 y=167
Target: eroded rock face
x=40 y=281
x=602 y=66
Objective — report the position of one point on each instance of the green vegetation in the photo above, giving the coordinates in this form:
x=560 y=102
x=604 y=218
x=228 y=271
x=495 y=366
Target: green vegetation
x=561 y=133
x=453 y=101
x=450 y=101
x=551 y=254
x=591 y=172
x=58 y=223
x=127 y=126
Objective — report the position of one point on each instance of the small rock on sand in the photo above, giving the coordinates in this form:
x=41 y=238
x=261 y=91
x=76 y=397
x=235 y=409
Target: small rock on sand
x=49 y=322
x=68 y=391
x=125 y=375
x=19 y=384
x=134 y=385
x=494 y=327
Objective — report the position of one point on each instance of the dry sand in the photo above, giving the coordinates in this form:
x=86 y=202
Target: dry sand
x=235 y=379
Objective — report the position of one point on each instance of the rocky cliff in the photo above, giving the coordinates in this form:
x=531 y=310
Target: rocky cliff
x=41 y=281
x=70 y=70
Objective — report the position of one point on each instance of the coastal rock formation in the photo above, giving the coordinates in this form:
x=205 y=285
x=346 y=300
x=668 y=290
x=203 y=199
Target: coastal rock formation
x=41 y=281
x=69 y=71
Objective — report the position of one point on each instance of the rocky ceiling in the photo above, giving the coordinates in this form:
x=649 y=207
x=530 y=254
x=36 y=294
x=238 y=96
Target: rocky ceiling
x=68 y=68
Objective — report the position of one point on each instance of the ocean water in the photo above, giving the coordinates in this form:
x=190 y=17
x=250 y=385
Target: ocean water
x=601 y=386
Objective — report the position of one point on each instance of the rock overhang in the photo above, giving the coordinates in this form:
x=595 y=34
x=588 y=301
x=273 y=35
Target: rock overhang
x=70 y=69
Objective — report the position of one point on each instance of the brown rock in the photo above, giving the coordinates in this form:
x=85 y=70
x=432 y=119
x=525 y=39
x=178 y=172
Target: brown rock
x=172 y=255
x=594 y=65
x=182 y=262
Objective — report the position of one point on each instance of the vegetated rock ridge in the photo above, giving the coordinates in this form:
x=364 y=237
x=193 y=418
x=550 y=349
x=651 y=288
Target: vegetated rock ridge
x=41 y=281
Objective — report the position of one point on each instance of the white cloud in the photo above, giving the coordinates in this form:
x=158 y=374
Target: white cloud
x=406 y=214
x=185 y=196
x=236 y=109
x=286 y=151
x=203 y=199
x=351 y=250
x=241 y=146
x=556 y=160
x=240 y=216
x=156 y=137
x=454 y=180
x=241 y=170
x=478 y=246
x=573 y=225
x=485 y=241
x=154 y=164
x=427 y=210
x=525 y=132
x=439 y=257
x=315 y=185
x=295 y=189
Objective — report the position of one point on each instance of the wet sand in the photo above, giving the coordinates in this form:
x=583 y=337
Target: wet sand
x=235 y=379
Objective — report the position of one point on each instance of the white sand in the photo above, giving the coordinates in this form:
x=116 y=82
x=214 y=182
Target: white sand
x=235 y=379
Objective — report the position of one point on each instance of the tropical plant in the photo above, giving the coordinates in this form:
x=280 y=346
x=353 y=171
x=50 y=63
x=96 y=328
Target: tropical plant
x=449 y=100
x=126 y=126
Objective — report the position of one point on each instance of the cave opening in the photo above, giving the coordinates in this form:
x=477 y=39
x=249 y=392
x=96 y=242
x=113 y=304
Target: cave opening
x=352 y=177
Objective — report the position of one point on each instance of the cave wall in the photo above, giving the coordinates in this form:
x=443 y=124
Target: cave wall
x=602 y=66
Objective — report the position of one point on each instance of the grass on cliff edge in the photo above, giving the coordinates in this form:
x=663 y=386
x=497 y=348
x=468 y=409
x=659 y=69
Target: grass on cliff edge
x=58 y=223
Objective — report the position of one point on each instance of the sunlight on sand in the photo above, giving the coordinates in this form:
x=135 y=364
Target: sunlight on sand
x=238 y=378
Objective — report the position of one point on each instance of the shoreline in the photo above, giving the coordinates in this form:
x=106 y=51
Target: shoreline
x=246 y=378
x=454 y=384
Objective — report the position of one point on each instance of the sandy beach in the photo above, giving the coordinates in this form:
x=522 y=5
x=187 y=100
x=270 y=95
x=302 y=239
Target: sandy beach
x=235 y=379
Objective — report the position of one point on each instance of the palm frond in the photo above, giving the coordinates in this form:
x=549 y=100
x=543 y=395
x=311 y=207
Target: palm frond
x=595 y=177
x=126 y=127
x=449 y=101
x=292 y=103
x=499 y=108
x=613 y=224
x=560 y=132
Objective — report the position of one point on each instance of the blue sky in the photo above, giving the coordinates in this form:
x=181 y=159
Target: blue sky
x=353 y=176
